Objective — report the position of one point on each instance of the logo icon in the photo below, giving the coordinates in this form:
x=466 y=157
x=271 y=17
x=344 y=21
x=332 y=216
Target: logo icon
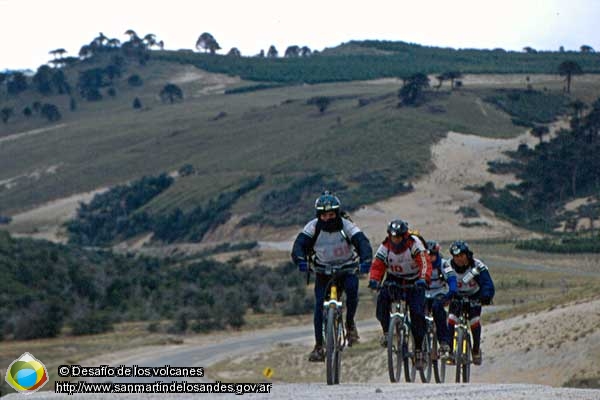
x=26 y=374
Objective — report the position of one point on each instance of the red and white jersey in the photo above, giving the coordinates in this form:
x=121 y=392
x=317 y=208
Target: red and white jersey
x=411 y=262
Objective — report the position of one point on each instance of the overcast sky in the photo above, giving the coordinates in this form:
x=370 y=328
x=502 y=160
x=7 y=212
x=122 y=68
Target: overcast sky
x=30 y=29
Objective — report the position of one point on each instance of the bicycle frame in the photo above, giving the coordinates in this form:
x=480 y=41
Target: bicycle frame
x=333 y=327
x=462 y=341
x=400 y=326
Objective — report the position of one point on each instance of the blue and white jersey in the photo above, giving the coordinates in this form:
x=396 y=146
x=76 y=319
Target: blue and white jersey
x=472 y=287
x=439 y=277
x=333 y=248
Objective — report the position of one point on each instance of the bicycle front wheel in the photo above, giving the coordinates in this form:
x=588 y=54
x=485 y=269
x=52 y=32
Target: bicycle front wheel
x=437 y=363
x=408 y=354
x=394 y=348
x=425 y=373
x=463 y=356
x=332 y=359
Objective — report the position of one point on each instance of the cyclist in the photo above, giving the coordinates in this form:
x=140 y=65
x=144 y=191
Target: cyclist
x=441 y=290
x=480 y=288
x=334 y=241
x=403 y=258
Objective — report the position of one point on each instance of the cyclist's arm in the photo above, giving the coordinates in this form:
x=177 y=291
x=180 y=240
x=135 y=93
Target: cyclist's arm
x=378 y=266
x=301 y=247
x=486 y=285
x=450 y=276
x=362 y=246
x=422 y=259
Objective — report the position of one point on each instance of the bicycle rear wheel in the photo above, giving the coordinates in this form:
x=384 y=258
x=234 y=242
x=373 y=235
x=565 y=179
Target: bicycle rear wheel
x=332 y=354
x=394 y=348
x=408 y=354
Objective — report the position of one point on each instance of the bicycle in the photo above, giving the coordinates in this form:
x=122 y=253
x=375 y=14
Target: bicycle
x=432 y=344
x=400 y=341
x=463 y=341
x=334 y=332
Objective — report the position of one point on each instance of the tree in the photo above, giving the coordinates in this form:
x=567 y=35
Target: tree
x=453 y=75
x=578 y=107
x=234 y=52
x=113 y=43
x=272 y=52
x=149 y=40
x=292 y=51
x=137 y=104
x=85 y=51
x=135 y=80
x=171 y=92
x=441 y=78
x=539 y=131
x=131 y=33
x=6 y=113
x=322 y=102
x=43 y=79
x=305 y=51
x=529 y=50
x=50 y=111
x=586 y=49
x=412 y=89
x=57 y=53
x=569 y=68
x=208 y=43
x=17 y=83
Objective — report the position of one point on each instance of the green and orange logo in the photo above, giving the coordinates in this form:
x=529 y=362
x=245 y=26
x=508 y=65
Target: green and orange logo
x=26 y=374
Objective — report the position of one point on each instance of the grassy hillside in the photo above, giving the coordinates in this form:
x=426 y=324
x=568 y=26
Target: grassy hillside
x=272 y=132
x=363 y=145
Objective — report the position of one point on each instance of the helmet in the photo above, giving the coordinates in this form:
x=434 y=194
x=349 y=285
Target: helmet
x=460 y=246
x=433 y=247
x=397 y=227
x=327 y=202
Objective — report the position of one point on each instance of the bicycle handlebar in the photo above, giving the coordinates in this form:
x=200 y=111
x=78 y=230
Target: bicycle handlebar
x=397 y=285
x=351 y=266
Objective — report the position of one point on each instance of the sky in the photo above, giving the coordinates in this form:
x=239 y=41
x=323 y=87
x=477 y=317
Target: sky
x=30 y=29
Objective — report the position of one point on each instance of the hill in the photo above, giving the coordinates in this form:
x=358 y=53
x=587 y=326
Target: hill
x=272 y=144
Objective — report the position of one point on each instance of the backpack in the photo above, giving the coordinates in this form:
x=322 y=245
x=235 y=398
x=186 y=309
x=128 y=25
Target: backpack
x=415 y=232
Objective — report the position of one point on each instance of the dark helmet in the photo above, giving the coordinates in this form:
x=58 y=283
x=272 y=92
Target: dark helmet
x=433 y=247
x=397 y=227
x=327 y=202
x=460 y=246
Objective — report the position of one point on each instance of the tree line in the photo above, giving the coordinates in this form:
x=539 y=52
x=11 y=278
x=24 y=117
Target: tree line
x=46 y=287
x=119 y=214
x=558 y=170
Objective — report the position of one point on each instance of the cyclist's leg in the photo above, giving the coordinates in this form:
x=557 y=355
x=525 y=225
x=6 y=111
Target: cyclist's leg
x=475 y=322
x=441 y=319
x=453 y=313
x=320 y=286
x=416 y=303
x=383 y=308
x=350 y=286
